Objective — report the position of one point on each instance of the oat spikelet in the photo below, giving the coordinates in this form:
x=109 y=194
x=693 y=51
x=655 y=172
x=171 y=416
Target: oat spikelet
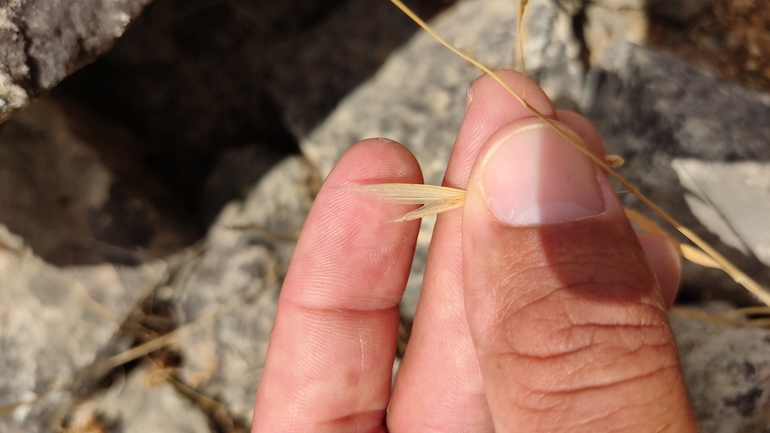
x=614 y=161
x=434 y=199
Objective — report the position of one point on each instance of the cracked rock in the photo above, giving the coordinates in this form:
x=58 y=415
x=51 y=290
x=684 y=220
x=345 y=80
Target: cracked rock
x=236 y=278
x=697 y=147
x=43 y=42
x=143 y=402
x=56 y=321
x=726 y=369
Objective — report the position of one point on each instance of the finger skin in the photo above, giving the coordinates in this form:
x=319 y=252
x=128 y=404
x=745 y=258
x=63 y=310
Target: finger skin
x=439 y=387
x=568 y=323
x=665 y=263
x=329 y=363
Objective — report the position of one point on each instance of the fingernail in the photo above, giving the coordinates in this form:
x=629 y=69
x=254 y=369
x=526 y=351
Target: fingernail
x=535 y=176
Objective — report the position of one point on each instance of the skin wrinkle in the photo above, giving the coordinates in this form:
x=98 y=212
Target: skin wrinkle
x=624 y=428
x=557 y=404
x=587 y=346
x=526 y=386
x=517 y=275
x=556 y=267
x=315 y=318
x=508 y=314
x=567 y=358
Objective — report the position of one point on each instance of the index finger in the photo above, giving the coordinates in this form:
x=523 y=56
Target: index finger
x=330 y=359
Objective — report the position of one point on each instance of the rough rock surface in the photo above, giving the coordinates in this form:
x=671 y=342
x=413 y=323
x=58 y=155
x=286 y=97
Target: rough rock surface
x=43 y=42
x=237 y=277
x=55 y=321
x=87 y=258
x=679 y=128
x=553 y=54
x=142 y=402
x=726 y=368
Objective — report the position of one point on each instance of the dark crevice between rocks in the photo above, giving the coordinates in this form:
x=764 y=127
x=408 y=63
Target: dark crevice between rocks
x=579 y=20
x=745 y=403
x=192 y=105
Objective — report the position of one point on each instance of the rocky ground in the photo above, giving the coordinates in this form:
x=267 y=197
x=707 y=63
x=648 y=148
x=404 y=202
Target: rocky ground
x=150 y=200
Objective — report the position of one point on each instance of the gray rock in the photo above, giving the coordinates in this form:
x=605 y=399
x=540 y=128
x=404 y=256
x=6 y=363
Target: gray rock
x=237 y=278
x=143 y=402
x=552 y=52
x=55 y=323
x=732 y=199
x=674 y=126
x=418 y=96
x=43 y=42
x=726 y=369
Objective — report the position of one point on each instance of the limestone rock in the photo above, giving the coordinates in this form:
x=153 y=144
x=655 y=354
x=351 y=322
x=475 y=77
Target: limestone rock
x=143 y=402
x=688 y=140
x=726 y=369
x=43 y=42
x=682 y=10
x=236 y=278
x=552 y=52
x=732 y=199
x=196 y=79
x=56 y=321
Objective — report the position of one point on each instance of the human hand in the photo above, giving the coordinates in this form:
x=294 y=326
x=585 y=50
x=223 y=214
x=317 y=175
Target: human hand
x=539 y=310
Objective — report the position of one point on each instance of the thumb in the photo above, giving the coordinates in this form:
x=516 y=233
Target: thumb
x=567 y=320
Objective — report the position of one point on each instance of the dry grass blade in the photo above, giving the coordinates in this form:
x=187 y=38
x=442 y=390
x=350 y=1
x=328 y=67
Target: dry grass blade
x=405 y=193
x=434 y=199
x=692 y=254
x=739 y=276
